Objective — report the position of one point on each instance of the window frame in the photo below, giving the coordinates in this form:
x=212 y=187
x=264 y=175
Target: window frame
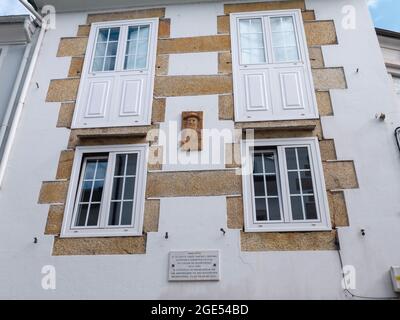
x=103 y=230
x=122 y=43
x=320 y=194
x=303 y=52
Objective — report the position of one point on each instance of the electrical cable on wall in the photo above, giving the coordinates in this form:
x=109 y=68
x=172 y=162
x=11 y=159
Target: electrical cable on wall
x=347 y=291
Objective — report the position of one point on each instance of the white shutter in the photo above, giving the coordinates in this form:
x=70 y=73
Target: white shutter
x=119 y=97
x=272 y=78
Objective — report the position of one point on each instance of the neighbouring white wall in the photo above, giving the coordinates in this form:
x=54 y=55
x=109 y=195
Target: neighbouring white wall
x=194 y=223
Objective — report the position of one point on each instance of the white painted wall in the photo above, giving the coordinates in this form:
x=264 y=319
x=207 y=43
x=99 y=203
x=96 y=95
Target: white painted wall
x=194 y=223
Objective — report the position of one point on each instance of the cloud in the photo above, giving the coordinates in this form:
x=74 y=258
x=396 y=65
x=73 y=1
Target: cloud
x=11 y=7
x=372 y=3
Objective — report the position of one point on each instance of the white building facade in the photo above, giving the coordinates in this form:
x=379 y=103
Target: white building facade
x=98 y=188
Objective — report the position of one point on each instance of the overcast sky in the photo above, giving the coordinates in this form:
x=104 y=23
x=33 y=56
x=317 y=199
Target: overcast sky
x=386 y=13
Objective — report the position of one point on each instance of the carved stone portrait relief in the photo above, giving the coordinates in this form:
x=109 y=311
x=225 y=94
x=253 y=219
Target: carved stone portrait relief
x=192 y=126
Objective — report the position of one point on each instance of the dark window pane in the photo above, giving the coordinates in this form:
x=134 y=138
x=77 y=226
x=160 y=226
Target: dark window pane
x=131 y=168
x=297 y=208
x=269 y=162
x=114 y=34
x=291 y=158
x=133 y=33
x=81 y=217
x=93 y=215
x=129 y=188
x=294 y=185
x=274 y=210
x=127 y=211
x=272 y=187
x=120 y=165
x=261 y=211
x=112 y=49
x=144 y=32
x=90 y=168
x=306 y=182
x=258 y=167
x=101 y=169
x=86 y=190
x=311 y=209
x=304 y=161
x=100 y=50
x=98 y=64
x=115 y=209
x=97 y=191
x=259 y=186
x=109 y=64
x=103 y=35
x=117 y=189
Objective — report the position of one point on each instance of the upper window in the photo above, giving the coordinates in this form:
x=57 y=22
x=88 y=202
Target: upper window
x=272 y=72
x=284 y=186
x=118 y=75
x=106 y=195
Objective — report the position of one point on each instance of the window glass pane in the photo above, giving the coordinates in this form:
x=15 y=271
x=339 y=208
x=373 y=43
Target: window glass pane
x=137 y=47
x=127 y=209
x=115 y=210
x=284 y=42
x=120 y=165
x=117 y=189
x=129 y=188
x=261 y=211
x=304 y=161
x=91 y=192
x=297 y=208
x=269 y=163
x=273 y=209
x=301 y=184
x=257 y=163
x=311 y=210
x=93 y=215
x=106 y=49
x=265 y=184
x=291 y=160
x=252 y=46
x=123 y=190
x=259 y=189
x=82 y=213
x=272 y=186
x=132 y=161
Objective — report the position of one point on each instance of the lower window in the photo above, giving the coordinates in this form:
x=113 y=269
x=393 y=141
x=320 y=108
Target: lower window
x=107 y=190
x=284 y=188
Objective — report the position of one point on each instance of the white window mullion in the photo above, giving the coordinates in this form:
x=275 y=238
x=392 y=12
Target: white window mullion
x=105 y=206
x=284 y=184
x=121 y=48
x=268 y=40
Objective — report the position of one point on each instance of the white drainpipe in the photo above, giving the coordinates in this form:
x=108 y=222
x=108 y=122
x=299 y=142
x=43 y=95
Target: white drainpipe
x=24 y=91
x=28 y=6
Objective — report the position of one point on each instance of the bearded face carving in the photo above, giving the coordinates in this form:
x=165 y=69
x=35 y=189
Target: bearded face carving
x=192 y=126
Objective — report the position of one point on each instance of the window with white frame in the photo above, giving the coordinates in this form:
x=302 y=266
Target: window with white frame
x=284 y=186
x=118 y=75
x=271 y=67
x=106 y=195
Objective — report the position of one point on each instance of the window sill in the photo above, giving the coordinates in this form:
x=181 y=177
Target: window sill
x=272 y=229
x=300 y=124
x=100 y=234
